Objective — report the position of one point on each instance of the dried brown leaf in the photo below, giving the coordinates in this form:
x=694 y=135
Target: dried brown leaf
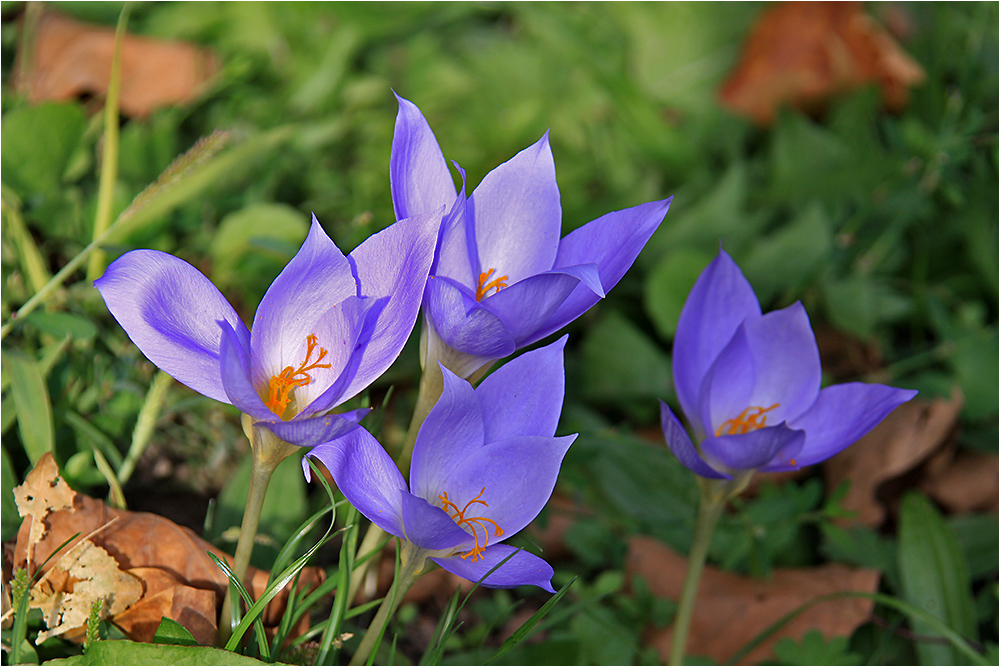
x=731 y=609
x=42 y=492
x=802 y=53
x=904 y=439
x=969 y=482
x=71 y=58
x=180 y=581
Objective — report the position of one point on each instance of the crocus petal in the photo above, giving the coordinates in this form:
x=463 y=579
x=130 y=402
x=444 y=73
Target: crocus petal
x=525 y=395
x=235 y=368
x=515 y=477
x=719 y=302
x=392 y=265
x=311 y=431
x=516 y=214
x=367 y=477
x=523 y=568
x=842 y=414
x=464 y=324
x=418 y=174
x=524 y=307
x=452 y=258
x=753 y=450
x=612 y=242
x=727 y=388
x=171 y=311
x=318 y=277
x=682 y=447
x=452 y=429
x=786 y=362
x=429 y=527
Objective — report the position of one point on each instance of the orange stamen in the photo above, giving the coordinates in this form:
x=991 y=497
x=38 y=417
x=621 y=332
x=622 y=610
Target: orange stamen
x=484 y=287
x=281 y=385
x=746 y=421
x=476 y=522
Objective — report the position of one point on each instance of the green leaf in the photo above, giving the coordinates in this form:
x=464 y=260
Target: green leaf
x=31 y=399
x=934 y=577
x=979 y=538
x=37 y=144
x=814 y=649
x=859 y=303
x=668 y=284
x=784 y=259
x=8 y=508
x=171 y=632
x=976 y=364
x=61 y=325
x=124 y=652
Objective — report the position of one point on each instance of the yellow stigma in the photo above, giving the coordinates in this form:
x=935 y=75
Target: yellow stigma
x=475 y=522
x=281 y=385
x=485 y=284
x=746 y=421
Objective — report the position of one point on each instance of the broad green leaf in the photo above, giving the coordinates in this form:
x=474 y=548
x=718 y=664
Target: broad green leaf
x=37 y=144
x=859 y=304
x=61 y=325
x=785 y=259
x=124 y=652
x=979 y=538
x=814 y=649
x=934 y=577
x=171 y=632
x=976 y=368
x=667 y=287
x=31 y=399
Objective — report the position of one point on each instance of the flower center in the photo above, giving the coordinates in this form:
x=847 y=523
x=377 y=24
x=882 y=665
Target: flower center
x=485 y=284
x=746 y=421
x=476 y=523
x=281 y=385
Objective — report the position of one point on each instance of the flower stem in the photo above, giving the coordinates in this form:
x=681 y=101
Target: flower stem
x=267 y=452
x=410 y=568
x=709 y=510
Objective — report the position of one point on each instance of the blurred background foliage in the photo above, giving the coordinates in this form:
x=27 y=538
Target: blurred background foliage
x=883 y=224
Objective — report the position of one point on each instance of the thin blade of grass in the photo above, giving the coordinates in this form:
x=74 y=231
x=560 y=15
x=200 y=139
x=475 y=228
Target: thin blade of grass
x=234 y=640
x=522 y=632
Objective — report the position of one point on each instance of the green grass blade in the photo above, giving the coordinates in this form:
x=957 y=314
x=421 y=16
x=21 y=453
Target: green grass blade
x=31 y=399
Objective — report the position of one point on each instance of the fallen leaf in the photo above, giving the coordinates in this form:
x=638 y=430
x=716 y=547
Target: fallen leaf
x=179 y=580
x=969 y=482
x=802 y=53
x=732 y=609
x=46 y=493
x=71 y=58
x=903 y=440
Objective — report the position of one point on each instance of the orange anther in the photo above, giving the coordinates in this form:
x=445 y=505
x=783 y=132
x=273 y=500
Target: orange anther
x=746 y=421
x=476 y=523
x=281 y=385
x=484 y=286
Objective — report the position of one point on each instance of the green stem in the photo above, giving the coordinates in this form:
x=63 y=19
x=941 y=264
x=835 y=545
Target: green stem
x=267 y=451
x=411 y=566
x=709 y=510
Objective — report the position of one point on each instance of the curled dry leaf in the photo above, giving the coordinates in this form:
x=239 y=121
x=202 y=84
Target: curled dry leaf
x=904 y=439
x=802 y=53
x=70 y=59
x=178 y=578
x=731 y=609
x=48 y=493
x=968 y=482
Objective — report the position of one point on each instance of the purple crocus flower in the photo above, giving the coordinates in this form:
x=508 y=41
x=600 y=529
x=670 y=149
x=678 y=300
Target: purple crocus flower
x=503 y=279
x=484 y=464
x=750 y=385
x=326 y=328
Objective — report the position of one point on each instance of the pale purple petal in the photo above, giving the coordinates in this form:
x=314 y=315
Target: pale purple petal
x=525 y=395
x=452 y=429
x=682 y=447
x=367 y=477
x=318 y=277
x=311 y=431
x=842 y=414
x=728 y=386
x=517 y=216
x=785 y=360
x=526 y=306
x=452 y=256
x=612 y=242
x=719 y=302
x=393 y=265
x=171 y=311
x=756 y=449
x=522 y=569
x=463 y=323
x=418 y=174
x=515 y=477
x=429 y=527
x=235 y=368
